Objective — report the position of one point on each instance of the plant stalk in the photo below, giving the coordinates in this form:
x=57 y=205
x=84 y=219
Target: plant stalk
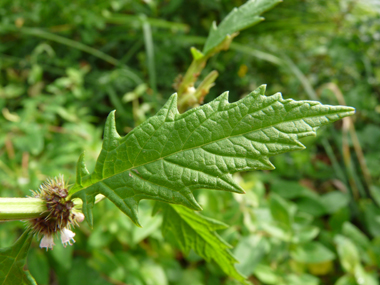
x=12 y=209
x=21 y=208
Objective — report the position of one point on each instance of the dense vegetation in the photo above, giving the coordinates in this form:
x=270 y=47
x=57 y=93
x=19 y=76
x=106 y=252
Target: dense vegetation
x=313 y=220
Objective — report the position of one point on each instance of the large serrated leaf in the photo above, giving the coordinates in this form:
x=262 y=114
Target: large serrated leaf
x=172 y=154
x=12 y=262
x=190 y=230
x=238 y=19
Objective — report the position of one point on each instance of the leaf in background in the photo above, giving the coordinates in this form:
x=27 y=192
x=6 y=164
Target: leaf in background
x=348 y=253
x=288 y=189
x=172 y=154
x=372 y=216
x=190 y=230
x=38 y=265
x=281 y=210
x=304 y=234
x=82 y=273
x=266 y=274
x=12 y=262
x=353 y=233
x=312 y=252
x=303 y=279
x=346 y=280
x=311 y=204
x=238 y=19
x=335 y=200
x=250 y=251
x=350 y=261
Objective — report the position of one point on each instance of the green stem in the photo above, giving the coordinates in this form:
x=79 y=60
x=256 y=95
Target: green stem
x=21 y=208
x=30 y=208
x=185 y=90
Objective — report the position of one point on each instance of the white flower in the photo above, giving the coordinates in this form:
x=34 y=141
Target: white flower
x=47 y=241
x=67 y=236
x=79 y=217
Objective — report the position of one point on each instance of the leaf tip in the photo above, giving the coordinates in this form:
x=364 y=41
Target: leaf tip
x=87 y=205
x=267 y=164
x=135 y=219
x=262 y=89
x=111 y=118
x=197 y=54
x=81 y=169
x=214 y=26
x=170 y=109
x=111 y=135
x=173 y=98
x=239 y=190
x=222 y=99
x=189 y=200
x=350 y=110
x=224 y=96
x=195 y=206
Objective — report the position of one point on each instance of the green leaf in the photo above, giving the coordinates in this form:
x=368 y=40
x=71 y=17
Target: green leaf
x=312 y=252
x=372 y=216
x=267 y=274
x=360 y=277
x=281 y=210
x=375 y=192
x=81 y=273
x=38 y=265
x=196 y=53
x=238 y=19
x=335 y=200
x=304 y=234
x=277 y=230
x=172 y=154
x=153 y=274
x=190 y=230
x=250 y=251
x=352 y=232
x=337 y=219
x=363 y=277
x=288 y=189
x=12 y=262
x=312 y=205
x=346 y=280
x=348 y=253
x=304 y=279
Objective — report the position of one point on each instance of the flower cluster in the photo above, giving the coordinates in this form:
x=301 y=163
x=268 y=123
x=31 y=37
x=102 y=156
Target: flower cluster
x=60 y=215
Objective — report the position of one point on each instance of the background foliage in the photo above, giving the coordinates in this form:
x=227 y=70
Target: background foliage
x=314 y=220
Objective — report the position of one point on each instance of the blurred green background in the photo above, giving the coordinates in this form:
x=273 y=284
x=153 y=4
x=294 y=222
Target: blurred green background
x=64 y=65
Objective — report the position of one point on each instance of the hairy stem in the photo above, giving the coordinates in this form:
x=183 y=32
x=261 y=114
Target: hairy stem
x=21 y=208
x=30 y=208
